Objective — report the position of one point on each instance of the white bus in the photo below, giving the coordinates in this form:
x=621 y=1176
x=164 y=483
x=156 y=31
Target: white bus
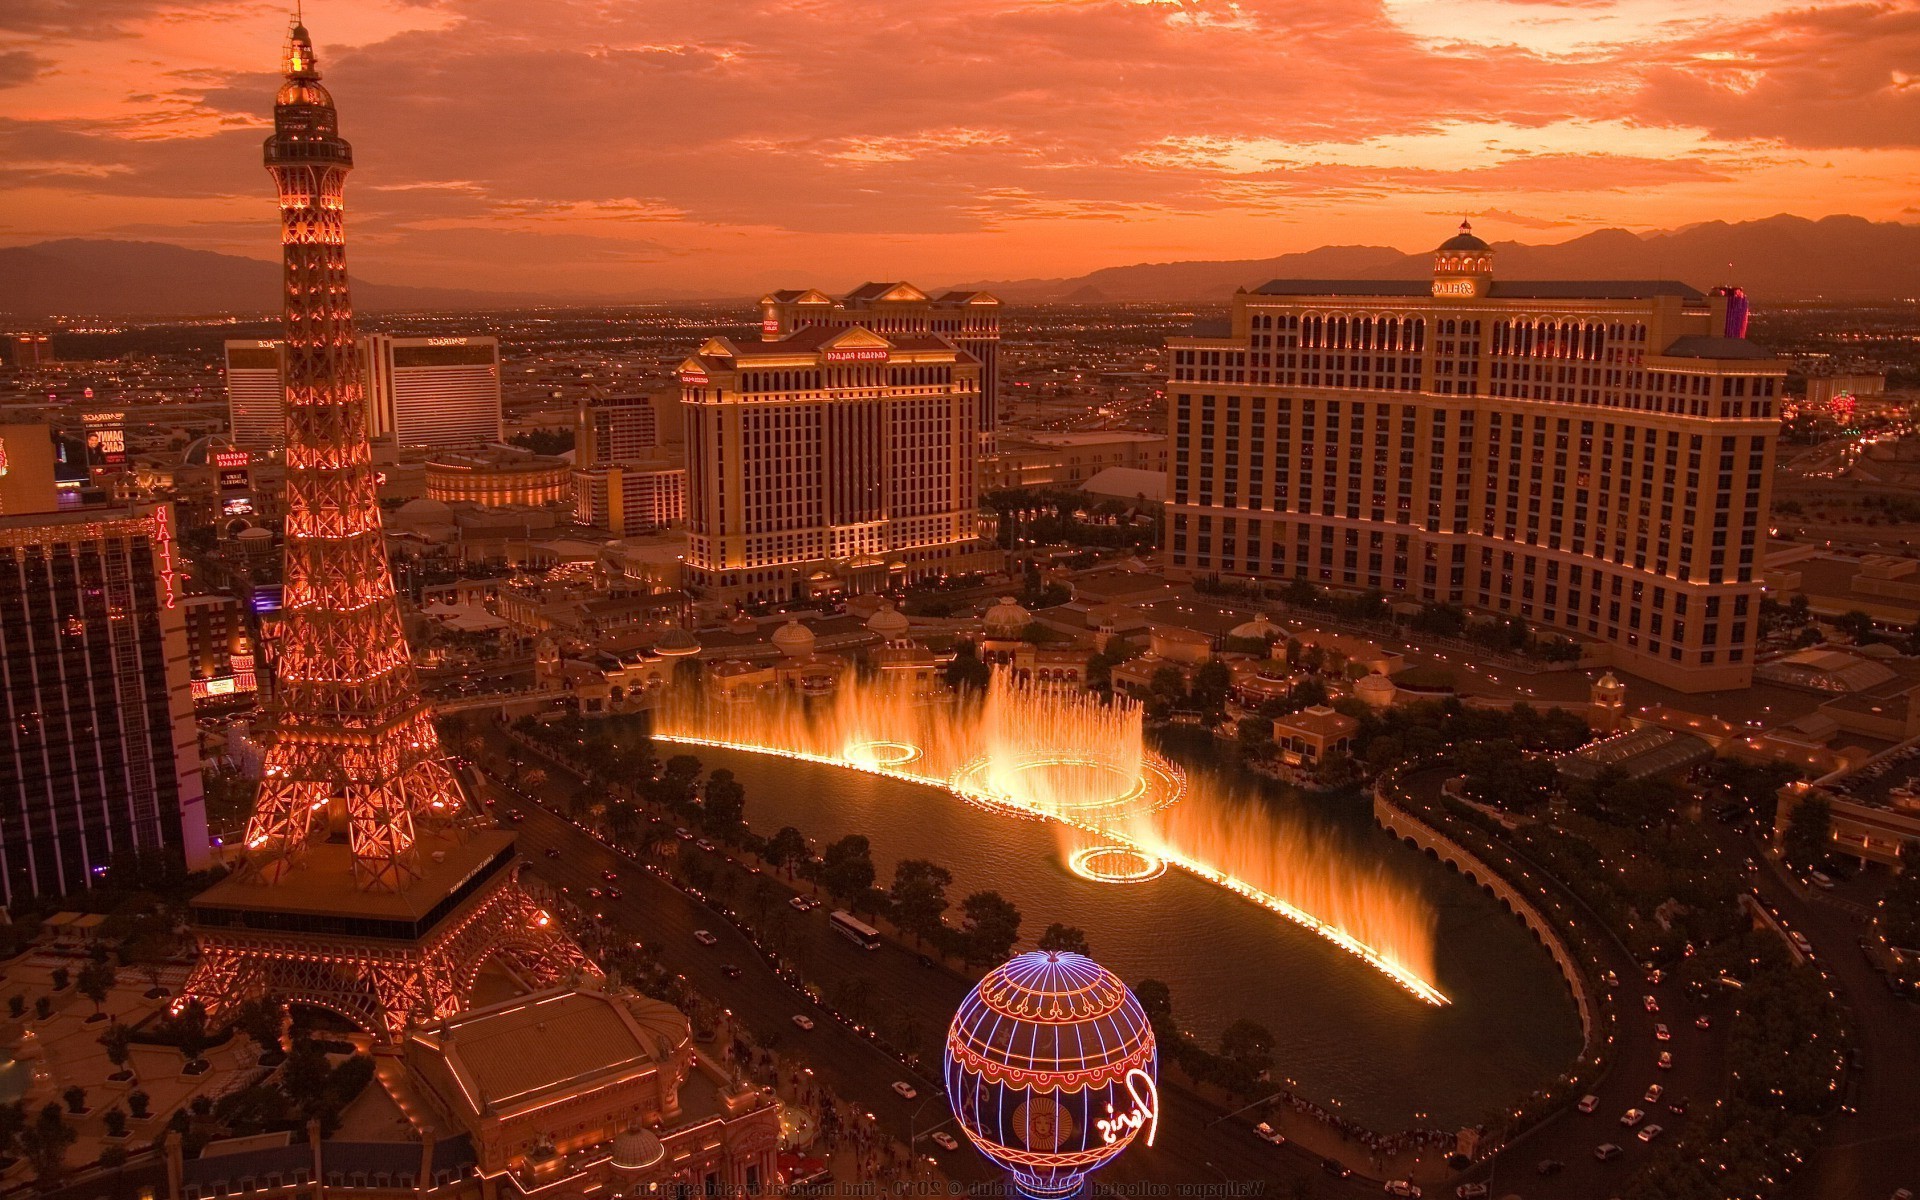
x=855 y=930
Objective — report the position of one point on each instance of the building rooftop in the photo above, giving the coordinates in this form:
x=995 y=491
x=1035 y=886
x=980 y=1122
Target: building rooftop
x=1499 y=289
x=1823 y=669
x=1706 y=347
x=1127 y=483
x=1640 y=754
x=510 y=1054
x=1318 y=721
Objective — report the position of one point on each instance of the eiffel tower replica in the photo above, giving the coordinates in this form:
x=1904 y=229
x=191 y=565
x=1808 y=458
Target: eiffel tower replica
x=369 y=885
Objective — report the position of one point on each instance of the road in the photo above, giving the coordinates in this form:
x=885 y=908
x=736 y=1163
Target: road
x=1571 y=1137
x=1189 y=1148
x=1868 y=1154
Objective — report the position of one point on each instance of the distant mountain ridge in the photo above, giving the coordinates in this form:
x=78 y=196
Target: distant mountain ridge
x=83 y=275
x=1779 y=258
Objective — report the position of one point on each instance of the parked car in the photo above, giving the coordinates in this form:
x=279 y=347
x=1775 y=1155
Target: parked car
x=1632 y=1118
x=1654 y=1093
x=1651 y=1132
x=1607 y=1152
x=1678 y=1106
x=1589 y=1103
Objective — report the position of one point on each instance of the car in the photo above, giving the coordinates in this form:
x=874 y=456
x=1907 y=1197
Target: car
x=1820 y=879
x=1549 y=1166
x=707 y=844
x=1632 y=1118
x=1336 y=1168
x=1902 y=1194
x=705 y=938
x=1472 y=1191
x=799 y=904
x=1651 y=1132
x=1654 y=1093
x=613 y=893
x=1610 y=979
x=1703 y=1021
x=729 y=970
x=683 y=833
x=610 y=875
x=925 y=961
x=1678 y=1107
x=1589 y=1103
x=944 y=1140
x=905 y=1090
x=515 y=815
x=553 y=852
x=1662 y=1033
x=1607 y=1152
x=596 y=893
x=1402 y=1187
x=1665 y=1061
x=802 y=1021
x=1800 y=942
x=1652 y=1003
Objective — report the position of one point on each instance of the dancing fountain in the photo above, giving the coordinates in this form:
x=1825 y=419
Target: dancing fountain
x=1126 y=814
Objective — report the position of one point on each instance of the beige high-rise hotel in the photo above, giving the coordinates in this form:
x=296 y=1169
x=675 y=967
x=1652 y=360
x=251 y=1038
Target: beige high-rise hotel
x=1593 y=457
x=970 y=320
x=834 y=460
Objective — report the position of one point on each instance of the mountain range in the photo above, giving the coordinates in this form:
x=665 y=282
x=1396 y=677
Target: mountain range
x=84 y=275
x=1779 y=258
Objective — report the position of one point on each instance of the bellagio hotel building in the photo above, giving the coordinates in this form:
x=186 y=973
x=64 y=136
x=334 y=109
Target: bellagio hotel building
x=1592 y=457
x=833 y=460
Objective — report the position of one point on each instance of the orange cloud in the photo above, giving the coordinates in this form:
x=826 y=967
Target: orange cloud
x=617 y=148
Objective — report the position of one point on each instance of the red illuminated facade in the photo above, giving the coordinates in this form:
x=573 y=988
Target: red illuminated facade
x=367 y=886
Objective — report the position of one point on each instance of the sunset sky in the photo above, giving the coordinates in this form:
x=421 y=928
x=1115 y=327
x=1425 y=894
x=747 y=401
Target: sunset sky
x=623 y=146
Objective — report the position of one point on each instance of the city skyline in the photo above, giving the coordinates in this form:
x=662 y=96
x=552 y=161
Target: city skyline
x=642 y=149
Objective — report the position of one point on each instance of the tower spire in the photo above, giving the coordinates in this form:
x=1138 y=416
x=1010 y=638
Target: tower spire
x=354 y=753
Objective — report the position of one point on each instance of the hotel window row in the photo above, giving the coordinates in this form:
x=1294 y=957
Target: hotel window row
x=1595 y=458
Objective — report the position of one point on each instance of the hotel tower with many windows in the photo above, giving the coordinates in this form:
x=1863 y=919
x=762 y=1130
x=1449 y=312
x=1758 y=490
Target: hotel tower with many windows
x=835 y=460
x=1594 y=458
x=970 y=320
